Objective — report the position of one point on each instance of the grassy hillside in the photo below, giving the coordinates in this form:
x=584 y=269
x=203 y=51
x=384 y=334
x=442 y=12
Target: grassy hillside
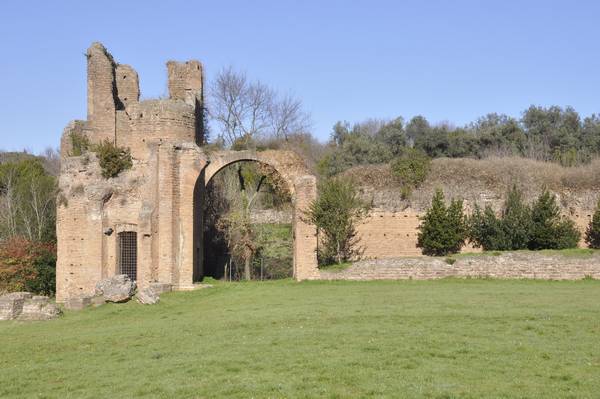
x=437 y=339
x=482 y=180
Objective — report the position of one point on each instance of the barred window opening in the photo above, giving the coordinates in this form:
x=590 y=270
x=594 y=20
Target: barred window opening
x=128 y=254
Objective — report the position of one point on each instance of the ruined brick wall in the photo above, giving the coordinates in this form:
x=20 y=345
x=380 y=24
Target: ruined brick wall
x=185 y=81
x=115 y=112
x=92 y=211
x=102 y=93
x=159 y=197
x=391 y=229
x=508 y=265
x=390 y=234
x=127 y=84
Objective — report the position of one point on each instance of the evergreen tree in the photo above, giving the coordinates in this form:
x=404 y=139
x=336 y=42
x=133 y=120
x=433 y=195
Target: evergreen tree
x=566 y=233
x=457 y=226
x=548 y=229
x=516 y=220
x=486 y=230
x=592 y=234
x=443 y=230
x=544 y=213
x=392 y=135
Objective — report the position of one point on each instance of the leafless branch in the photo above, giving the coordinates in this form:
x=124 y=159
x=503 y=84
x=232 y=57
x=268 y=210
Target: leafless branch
x=251 y=110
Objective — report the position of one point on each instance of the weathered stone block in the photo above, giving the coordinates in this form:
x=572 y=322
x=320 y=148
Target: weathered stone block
x=25 y=306
x=10 y=308
x=18 y=295
x=11 y=305
x=117 y=288
x=39 y=308
x=147 y=296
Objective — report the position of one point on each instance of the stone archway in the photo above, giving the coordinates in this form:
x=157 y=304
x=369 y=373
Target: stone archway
x=197 y=169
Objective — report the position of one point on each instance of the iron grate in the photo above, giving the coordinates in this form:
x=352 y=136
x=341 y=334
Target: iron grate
x=128 y=254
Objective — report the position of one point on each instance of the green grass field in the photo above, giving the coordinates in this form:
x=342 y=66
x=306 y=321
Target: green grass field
x=432 y=339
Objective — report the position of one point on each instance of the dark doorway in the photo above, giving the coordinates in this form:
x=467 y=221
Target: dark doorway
x=128 y=254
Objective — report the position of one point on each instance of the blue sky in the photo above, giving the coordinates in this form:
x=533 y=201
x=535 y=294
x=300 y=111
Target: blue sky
x=347 y=60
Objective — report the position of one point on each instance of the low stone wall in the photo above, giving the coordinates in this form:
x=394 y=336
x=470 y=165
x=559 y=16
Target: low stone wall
x=519 y=265
x=388 y=234
x=26 y=306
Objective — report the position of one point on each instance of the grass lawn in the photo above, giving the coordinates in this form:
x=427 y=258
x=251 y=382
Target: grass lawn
x=438 y=339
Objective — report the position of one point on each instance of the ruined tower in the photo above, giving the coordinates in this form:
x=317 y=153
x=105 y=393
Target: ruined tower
x=146 y=222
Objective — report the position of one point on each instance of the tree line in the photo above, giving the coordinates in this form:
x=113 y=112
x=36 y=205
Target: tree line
x=551 y=134
x=248 y=114
x=28 y=192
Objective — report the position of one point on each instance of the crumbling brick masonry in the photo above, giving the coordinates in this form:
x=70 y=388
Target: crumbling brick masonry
x=147 y=222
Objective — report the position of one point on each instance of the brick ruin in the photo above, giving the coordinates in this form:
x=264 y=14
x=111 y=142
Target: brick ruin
x=148 y=220
x=153 y=212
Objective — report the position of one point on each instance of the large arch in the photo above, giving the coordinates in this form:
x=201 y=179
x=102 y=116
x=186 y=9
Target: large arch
x=196 y=169
x=288 y=164
x=207 y=257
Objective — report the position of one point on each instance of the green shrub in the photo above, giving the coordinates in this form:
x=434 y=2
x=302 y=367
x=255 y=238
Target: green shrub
x=410 y=169
x=509 y=232
x=275 y=251
x=353 y=146
x=443 y=229
x=113 y=159
x=548 y=229
x=336 y=213
x=521 y=227
x=516 y=221
x=80 y=144
x=566 y=234
x=592 y=234
x=27 y=266
x=486 y=230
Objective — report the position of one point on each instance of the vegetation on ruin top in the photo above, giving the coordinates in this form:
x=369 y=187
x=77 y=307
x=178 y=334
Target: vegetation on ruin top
x=488 y=172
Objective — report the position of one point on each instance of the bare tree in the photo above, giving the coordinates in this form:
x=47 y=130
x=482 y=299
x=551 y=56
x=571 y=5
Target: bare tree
x=36 y=209
x=251 y=110
x=8 y=203
x=27 y=201
x=52 y=160
x=287 y=117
